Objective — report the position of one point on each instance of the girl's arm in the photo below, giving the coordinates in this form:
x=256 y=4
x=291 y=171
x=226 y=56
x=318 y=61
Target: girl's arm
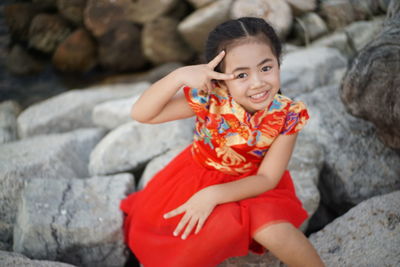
x=200 y=205
x=162 y=102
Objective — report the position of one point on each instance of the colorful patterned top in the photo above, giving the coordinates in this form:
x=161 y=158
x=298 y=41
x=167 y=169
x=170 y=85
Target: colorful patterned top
x=229 y=139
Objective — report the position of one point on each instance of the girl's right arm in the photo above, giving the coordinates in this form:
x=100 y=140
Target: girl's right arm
x=164 y=101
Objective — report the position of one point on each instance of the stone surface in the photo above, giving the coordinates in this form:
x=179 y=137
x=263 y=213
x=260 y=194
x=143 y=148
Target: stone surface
x=47 y=31
x=73 y=220
x=367 y=235
x=300 y=7
x=144 y=11
x=133 y=144
x=357 y=165
x=200 y=3
x=120 y=48
x=196 y=27
x=162 y=42
x=9 y=111
x=18 y=17
x=72 y=10
x=306 y=69
x=370 y=88
x=13 y=259
x=253 y=260
x=77 y=53
x=21 y=62
x=70 y=110
x=277 y=13
x=337 y=13
x=309 y=27
x=48 y=156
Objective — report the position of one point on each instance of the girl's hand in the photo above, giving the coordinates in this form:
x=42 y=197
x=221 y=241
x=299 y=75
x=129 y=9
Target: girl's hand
x=196 y=209
x=200 y=76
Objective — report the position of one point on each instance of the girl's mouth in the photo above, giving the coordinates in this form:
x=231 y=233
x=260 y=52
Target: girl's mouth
x=260 y=97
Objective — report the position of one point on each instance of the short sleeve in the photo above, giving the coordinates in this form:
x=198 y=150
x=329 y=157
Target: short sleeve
x=296 y=118
x=197 y=100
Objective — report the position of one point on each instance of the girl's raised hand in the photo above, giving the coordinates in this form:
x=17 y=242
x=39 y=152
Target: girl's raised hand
x=200 y=76
x=196 y=211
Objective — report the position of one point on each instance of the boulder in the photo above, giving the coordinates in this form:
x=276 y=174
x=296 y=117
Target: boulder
x=370 y=89
x=50 y=5
x=18 y=17
x=12 y=259
x=48 y=156
x=21 y=62
x=9 y=111
x=196 y=27
x=162 y=42
x=306 y=69
x=309 y=27
x=72 y=10
x=70 y=110
x=367 y=235
x=337 y=13
x=253 y=260
x=357 y=165
x=277 y=13
x=132 y=144
x=144 y=11
x=299 y=7
x=200 y=3
x=47 y=31
x=77 y=53
x=73 y=220
x=120 y=48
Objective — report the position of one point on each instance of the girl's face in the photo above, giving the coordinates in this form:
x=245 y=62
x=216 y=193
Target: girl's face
x=256 y=72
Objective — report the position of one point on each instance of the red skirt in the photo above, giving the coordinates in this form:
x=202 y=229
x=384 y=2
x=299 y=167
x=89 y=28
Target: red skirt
x=228 y=230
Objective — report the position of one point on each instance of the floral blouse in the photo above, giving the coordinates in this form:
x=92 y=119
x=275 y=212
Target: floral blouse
x=229 y=139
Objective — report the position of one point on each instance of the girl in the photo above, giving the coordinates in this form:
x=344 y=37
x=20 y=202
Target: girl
x=229 y=191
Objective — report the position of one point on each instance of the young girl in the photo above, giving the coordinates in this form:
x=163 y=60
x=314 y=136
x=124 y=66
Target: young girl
x=229 y=191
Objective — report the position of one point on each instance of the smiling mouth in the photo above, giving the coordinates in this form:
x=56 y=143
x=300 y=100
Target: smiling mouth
x=260 y=97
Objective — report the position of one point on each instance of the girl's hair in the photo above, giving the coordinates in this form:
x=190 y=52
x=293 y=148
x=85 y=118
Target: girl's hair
x=241 y=29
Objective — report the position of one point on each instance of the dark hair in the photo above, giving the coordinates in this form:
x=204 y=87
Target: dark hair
x=242 y=28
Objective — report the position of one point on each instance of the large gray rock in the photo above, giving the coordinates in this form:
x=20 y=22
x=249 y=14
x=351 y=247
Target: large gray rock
x=9 y=111
x=357 y=165
x=196 y=27
x=300 y=7
x=133 y=143
x=73 y=220
x=370 y=89
x=12 y=259
x=70 y=110
x=52 y=156
x=367 y=235
x=306 y=69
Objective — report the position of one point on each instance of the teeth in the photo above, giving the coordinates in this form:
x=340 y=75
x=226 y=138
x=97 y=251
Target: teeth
x=258 y=95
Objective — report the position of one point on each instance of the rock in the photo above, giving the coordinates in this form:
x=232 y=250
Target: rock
x=373 y=81
x=309 y=27
x=132 y=144
x=120 y=48
x=306 y=69
x=162 y=43
x=383 y=5
x=46 y=4
x=277 y=13
x=352 y=170
x=72 y=10
x=302 y=6
x=180 y=11
x=47 y=31
x=18 y=17
x=144 y=11
x=364 y=9
x=73 y=220
x=200 y=3
x=21 y=62
x=47 y=156
x=196 y=27
x=70 y=110
x=337 y=13
x=77 y=53
x=12 y=259
x=9 y=111
x=253 y=260
x=338 y=40
x=367 y=235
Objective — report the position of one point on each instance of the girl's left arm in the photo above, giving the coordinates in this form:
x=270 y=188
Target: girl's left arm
x=197 y=209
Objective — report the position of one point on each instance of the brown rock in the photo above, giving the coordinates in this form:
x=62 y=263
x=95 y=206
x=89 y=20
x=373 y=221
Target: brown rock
x=278 y=13
x=370 y=88
x=364 y=9
x=77 y=53
x=21 y=62
x=47 y=32
x=162 y=43
x=337 y=13
x=200 y=3
x=143 y=11
x=19 y=17
x=120 y=48
x=72 y=10
x=46 y=4
x=309 y=26
x=300 y=7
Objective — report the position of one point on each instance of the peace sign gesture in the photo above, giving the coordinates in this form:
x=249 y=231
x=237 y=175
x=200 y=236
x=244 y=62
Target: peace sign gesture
x=200 y=76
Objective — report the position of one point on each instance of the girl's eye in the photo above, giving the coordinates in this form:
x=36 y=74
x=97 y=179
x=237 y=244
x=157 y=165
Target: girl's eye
x=266 y=68
x=241 y=75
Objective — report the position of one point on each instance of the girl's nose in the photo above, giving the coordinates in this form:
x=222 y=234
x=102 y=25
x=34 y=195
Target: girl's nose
x=256 y=81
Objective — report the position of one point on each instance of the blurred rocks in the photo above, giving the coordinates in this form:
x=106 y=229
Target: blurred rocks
x=20 y=61
x=143 y=11
x=18 y=17
x=309 y=26
x=9 y=111
x=72 y=10
x=12 y=259
x=300 y=7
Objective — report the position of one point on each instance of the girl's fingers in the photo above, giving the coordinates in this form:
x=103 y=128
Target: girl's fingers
x=185 y=219
x=174 y=212
x=221 y=76
x=189 y=228
x=215 y=61
x=200 y=224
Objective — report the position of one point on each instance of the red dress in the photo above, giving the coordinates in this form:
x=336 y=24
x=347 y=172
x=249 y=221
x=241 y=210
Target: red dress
x=229 y=144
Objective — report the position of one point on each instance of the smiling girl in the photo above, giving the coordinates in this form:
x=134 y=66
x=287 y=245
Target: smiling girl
x=229 y=191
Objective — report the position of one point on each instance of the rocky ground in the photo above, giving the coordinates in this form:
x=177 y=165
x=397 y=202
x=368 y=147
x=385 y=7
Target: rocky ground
x=67 y=161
